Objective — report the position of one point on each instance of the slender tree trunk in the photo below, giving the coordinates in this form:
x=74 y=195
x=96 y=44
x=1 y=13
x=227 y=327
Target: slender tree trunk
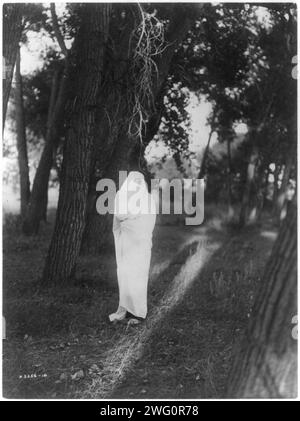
x=230 y=211
x=251 y=167
x=76 y=168
x=38 y=199
x=257 y=196
x=12 y=30
x=266 y=364
x=264 y=194
x=37 y=208
x=275 y=184
x=281 y=197
x=21 y=141
x=202 y=171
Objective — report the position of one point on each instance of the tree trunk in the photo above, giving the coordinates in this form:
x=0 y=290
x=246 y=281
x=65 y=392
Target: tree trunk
x=37 y=208
x=12 y=30
x=250 y=177
x=76 y=168
x=275 y=184
x=266 y=364
x=202 y=171
x=98 y=226
x=21 y=142
x=230 y=211
x=39 y=195
x=264 y=194
x=112 y=123
x=258 y=192
x=281 y=196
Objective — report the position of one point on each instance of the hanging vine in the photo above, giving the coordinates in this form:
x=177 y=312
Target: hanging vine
x=148 y=41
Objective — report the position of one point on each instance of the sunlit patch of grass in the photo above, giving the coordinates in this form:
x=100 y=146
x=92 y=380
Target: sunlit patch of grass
x=130 y=346
x=199 y=295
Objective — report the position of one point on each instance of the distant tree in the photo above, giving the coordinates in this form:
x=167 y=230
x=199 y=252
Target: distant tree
x=12 y=31
x=214 y=62
x=37 y=208
x=21 y=140
x=273 y=131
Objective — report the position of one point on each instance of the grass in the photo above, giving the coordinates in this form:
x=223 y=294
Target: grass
x=60 y=344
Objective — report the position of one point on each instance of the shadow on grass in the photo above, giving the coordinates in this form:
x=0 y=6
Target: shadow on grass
x=198 y=307
x=201 y=290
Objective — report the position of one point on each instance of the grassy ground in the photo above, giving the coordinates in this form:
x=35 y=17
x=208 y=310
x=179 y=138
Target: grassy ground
x=60 y=344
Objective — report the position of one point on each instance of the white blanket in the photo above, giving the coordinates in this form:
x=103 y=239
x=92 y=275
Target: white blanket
x=132 y=229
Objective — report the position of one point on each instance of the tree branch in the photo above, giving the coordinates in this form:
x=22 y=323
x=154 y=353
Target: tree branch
x=57 y=32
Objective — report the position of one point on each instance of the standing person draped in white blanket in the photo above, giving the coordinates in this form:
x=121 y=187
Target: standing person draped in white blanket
x=134 y=220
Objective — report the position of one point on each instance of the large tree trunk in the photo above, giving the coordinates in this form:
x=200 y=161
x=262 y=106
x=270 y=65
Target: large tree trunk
x=98 y=226
x=78 y=149
x=112 y=122
x=21 y=142
x=12 y=30
x=266 y=364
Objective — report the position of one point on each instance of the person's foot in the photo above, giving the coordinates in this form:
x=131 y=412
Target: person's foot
x=119 y=315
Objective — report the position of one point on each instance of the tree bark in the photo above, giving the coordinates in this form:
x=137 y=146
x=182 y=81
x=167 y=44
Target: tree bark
x=77 y=158
x=98 y=226
x=266 y=364
x=12 y=31
x=21 y=141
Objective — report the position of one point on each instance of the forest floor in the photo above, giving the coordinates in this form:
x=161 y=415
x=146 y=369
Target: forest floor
x=60 y=344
